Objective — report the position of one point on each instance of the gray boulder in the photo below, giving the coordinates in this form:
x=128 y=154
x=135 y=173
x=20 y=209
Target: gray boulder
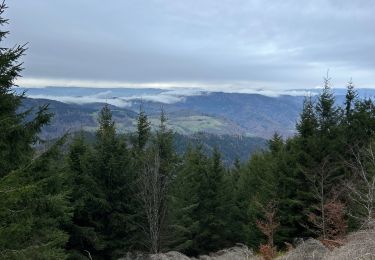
x=162 y=256
x=239 y=252
x=359 y=245
x=310 y=249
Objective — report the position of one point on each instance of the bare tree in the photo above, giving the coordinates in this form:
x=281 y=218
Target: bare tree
x=327 y=216
x=153 y=195
x=319 y=177
x=362 y=186
x=268 y=226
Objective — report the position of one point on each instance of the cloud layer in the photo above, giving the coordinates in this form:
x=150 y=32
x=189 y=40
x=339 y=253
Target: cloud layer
x=253 y=43
x=124 y=97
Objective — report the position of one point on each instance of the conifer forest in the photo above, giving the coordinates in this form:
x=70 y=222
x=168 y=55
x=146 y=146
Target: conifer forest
x=74 y=197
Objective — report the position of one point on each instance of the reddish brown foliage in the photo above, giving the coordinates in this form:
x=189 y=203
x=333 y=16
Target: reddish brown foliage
x=269 y=225
x=267 y=252
x=331 y=244
x=336 y=222
x=335 y=225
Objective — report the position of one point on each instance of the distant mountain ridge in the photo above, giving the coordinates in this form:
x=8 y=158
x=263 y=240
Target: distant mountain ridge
x=189 y=110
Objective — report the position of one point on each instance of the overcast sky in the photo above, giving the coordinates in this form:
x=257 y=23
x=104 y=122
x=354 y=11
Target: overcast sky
x=250 y=43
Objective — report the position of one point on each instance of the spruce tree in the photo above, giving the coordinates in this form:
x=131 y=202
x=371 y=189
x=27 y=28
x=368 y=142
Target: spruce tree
x=34 y=209
x=165 y=149
x=33 y=191
x=287 y=184
x=86 y=199
x=212 y=206
x=350 y=98
x=143 y=130
x=165 y=146
x=256 y=185
x=233 y=221
x=328 y=114
x=111 y=173
x=185 y=201
x=17 y=133
x=307 y=124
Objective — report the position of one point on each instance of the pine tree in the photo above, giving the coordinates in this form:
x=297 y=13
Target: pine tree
x=33 y=192
x=16 y=133
x=350 y=98
x=86 y=199
x=185 y=201
x=34 y=208
x=212 y=206
x=105 y=148
x=308 y=124
x=165 y=146
x=143 y=130
x=234 y=221
x=111 y=173
x=256 y=186
x=327 y=113
x=359 y=125
x=276 y=143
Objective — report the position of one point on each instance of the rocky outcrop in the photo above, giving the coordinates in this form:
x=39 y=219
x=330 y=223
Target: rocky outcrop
x=239 y=252
x=310 y=249
x=173 y=255
x=359 y=245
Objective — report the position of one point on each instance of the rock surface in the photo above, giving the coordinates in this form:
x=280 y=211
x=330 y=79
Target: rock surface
x=173 y=255
x=239 y=252
x=310 y=249
x=359 y=245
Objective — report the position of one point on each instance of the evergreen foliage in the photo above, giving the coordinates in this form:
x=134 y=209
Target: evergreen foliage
x=113 y=195
x=33 y=191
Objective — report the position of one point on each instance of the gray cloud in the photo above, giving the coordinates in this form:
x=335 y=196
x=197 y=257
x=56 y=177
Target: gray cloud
x=277 y=44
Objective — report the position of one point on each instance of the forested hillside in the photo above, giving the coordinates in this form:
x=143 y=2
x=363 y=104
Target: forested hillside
x=233 y=148
x=215 y=113
x=119 y=193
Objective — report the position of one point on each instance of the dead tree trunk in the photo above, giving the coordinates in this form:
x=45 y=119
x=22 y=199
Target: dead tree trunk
x=362 y=187
x=320 y=177
x=153 y=194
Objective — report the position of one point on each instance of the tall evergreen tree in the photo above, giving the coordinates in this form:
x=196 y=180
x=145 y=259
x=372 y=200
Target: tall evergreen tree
x=308 y=124
x=328 y=114
x=17 y=133
x=87 y=199
x=165 y=146
x=256 y=185
x=350 y=98
x=111 y=162
x=360 y=126
x=33 y=197
x=211 y=209
x=185 y=201
x=143 y=130
x=34 y=209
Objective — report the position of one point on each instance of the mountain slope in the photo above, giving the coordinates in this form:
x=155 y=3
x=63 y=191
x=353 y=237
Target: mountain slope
x=258 y=115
